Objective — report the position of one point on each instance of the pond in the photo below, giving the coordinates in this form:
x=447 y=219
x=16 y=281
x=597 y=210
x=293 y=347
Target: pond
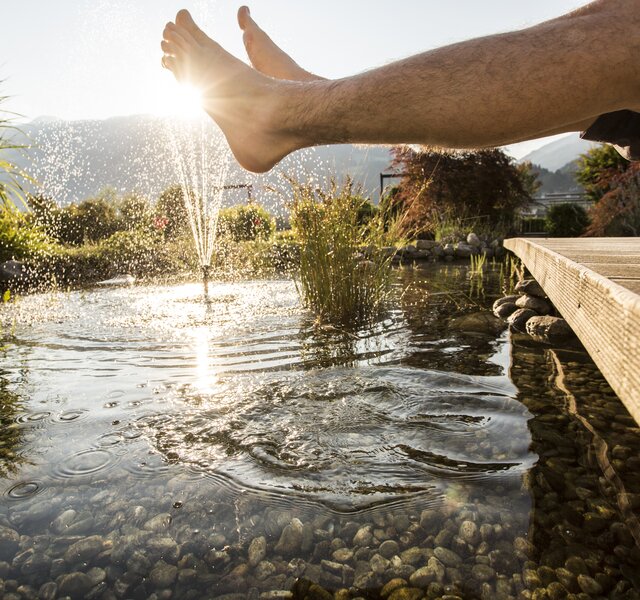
x=154 y=445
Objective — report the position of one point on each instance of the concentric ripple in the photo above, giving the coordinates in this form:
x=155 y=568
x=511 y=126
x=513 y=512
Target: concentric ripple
x=348 y=438
x=85 y=462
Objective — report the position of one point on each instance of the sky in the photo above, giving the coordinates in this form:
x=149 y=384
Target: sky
x=80 y=59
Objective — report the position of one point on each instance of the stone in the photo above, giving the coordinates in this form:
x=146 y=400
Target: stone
x=447 y=557
x=257 y=550
x=504 y=311
x=12 y=270
x=542 y=307
x=378 y=564
x=63 y=521
x=342 y=555
x=163 y=574
x=511 y=299
x=469 y=532
x=589 y=585
x=291 y=538
x=423 y=577
x=518 y=320
x=482 y=573
x=449 y=249
x=158 y=523
x=84 y=550
x=48 y=591
x=549 y=330
x=389 y=548
x=478 y=322
x=75 y=584
x=392 y=586
x=363 y=536
x=463 y=251
x=264 y=569
x=530 y=287
x=406 y=593
x=473 y=240
x=426 y=244
x=9 y=540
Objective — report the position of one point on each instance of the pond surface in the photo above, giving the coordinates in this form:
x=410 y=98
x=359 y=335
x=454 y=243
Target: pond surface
x=154 y=445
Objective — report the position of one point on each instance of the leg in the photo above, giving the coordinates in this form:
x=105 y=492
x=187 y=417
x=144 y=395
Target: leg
x=490 y=91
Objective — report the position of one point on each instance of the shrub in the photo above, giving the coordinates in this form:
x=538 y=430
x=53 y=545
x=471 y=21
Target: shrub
x=246 y=223
x=566 y=220
x=171 y=214
x=335 y=278
x=19 y=238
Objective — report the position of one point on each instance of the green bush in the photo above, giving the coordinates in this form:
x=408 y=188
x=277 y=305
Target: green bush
x=566 y=220
x=19 y=238
x=246 y=223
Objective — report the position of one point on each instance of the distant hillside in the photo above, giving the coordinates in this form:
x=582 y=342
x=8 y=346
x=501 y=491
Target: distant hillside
x=559 y=153
x=560 y=181
x=74 y=160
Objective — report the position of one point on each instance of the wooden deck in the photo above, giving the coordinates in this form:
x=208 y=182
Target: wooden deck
x=595 y=285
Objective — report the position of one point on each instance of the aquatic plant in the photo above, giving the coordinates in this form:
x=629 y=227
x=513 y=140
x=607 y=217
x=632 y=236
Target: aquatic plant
x=344 y=275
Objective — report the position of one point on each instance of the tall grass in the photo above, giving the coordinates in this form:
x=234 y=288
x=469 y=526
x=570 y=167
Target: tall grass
x=12 y=177
x=344 y=275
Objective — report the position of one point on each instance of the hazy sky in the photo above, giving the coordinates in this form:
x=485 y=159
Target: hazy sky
x=98 y=58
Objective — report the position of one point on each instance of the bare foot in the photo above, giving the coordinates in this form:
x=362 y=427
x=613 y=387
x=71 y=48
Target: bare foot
x=266 y=56
x=243 y=102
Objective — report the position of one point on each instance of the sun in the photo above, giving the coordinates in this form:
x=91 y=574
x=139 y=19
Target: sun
x=177 y=100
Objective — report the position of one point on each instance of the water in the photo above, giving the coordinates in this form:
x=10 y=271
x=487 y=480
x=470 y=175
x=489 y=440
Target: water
x=153 y=443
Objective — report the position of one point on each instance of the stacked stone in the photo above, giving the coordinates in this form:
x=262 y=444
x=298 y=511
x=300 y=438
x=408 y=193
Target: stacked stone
x=456 y=247
x=530 y=311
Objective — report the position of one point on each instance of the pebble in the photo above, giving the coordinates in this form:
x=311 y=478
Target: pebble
x=290 y=539
x=257 y=550
x=469 y=532
x=542 y=307
x=84 y=550
x=9 y=540
x=447 y=557
x=158 y=523
x=530 y=287
x=389 y=548
x=423 y=577
x=589 y=585
x=482 y=572
x=363 y=536
x=406 y=593
x=75 y=584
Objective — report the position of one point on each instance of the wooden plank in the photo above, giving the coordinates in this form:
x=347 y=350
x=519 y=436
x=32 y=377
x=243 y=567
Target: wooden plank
x=604 y=314
x=608 y=269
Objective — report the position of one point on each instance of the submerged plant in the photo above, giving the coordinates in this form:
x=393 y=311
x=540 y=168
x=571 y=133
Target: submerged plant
x=344 y=274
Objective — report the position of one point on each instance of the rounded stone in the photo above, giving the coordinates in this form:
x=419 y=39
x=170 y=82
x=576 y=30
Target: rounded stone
x=469 y=532
x=589 y=585
x=518 y=320
x=389 y=548
x=163 y=575
x=76 y=585
x=530 y=287
x=257 y=550
x=423 y=577
x=9 y=540
x=549 y=330
x=85 y=549
x=504 y=311
x=447 y=557
x=542 y=307
x=482 y=573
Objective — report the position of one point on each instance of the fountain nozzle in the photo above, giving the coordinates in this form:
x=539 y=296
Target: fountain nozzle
x=206 y=271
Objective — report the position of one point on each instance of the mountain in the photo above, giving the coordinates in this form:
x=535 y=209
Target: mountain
x=557 y=154
x=73 y=160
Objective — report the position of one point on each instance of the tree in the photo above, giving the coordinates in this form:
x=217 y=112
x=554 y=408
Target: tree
x=246 y=223
x=458 y=185
x=135 y=211
x=171 y=212
x=617 y=213
x=597 y=168
x=566 y=220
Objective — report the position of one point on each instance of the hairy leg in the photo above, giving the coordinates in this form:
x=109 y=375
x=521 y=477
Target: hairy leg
x=553 y=77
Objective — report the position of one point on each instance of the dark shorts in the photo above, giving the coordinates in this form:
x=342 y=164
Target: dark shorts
x=621 y=128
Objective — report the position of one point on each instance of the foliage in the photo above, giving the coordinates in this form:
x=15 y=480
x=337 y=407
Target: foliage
x=344 y=276
x=529 y=178
x=566 y=220
x=447 y=185
x=171 y=212
x=245 y=223
x=618 y=211
x=12 y=178
x=19 y=238
x=135 y=211
x=598 y=168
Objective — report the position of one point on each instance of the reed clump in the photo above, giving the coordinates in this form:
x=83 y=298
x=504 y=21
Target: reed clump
x=344 y=273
